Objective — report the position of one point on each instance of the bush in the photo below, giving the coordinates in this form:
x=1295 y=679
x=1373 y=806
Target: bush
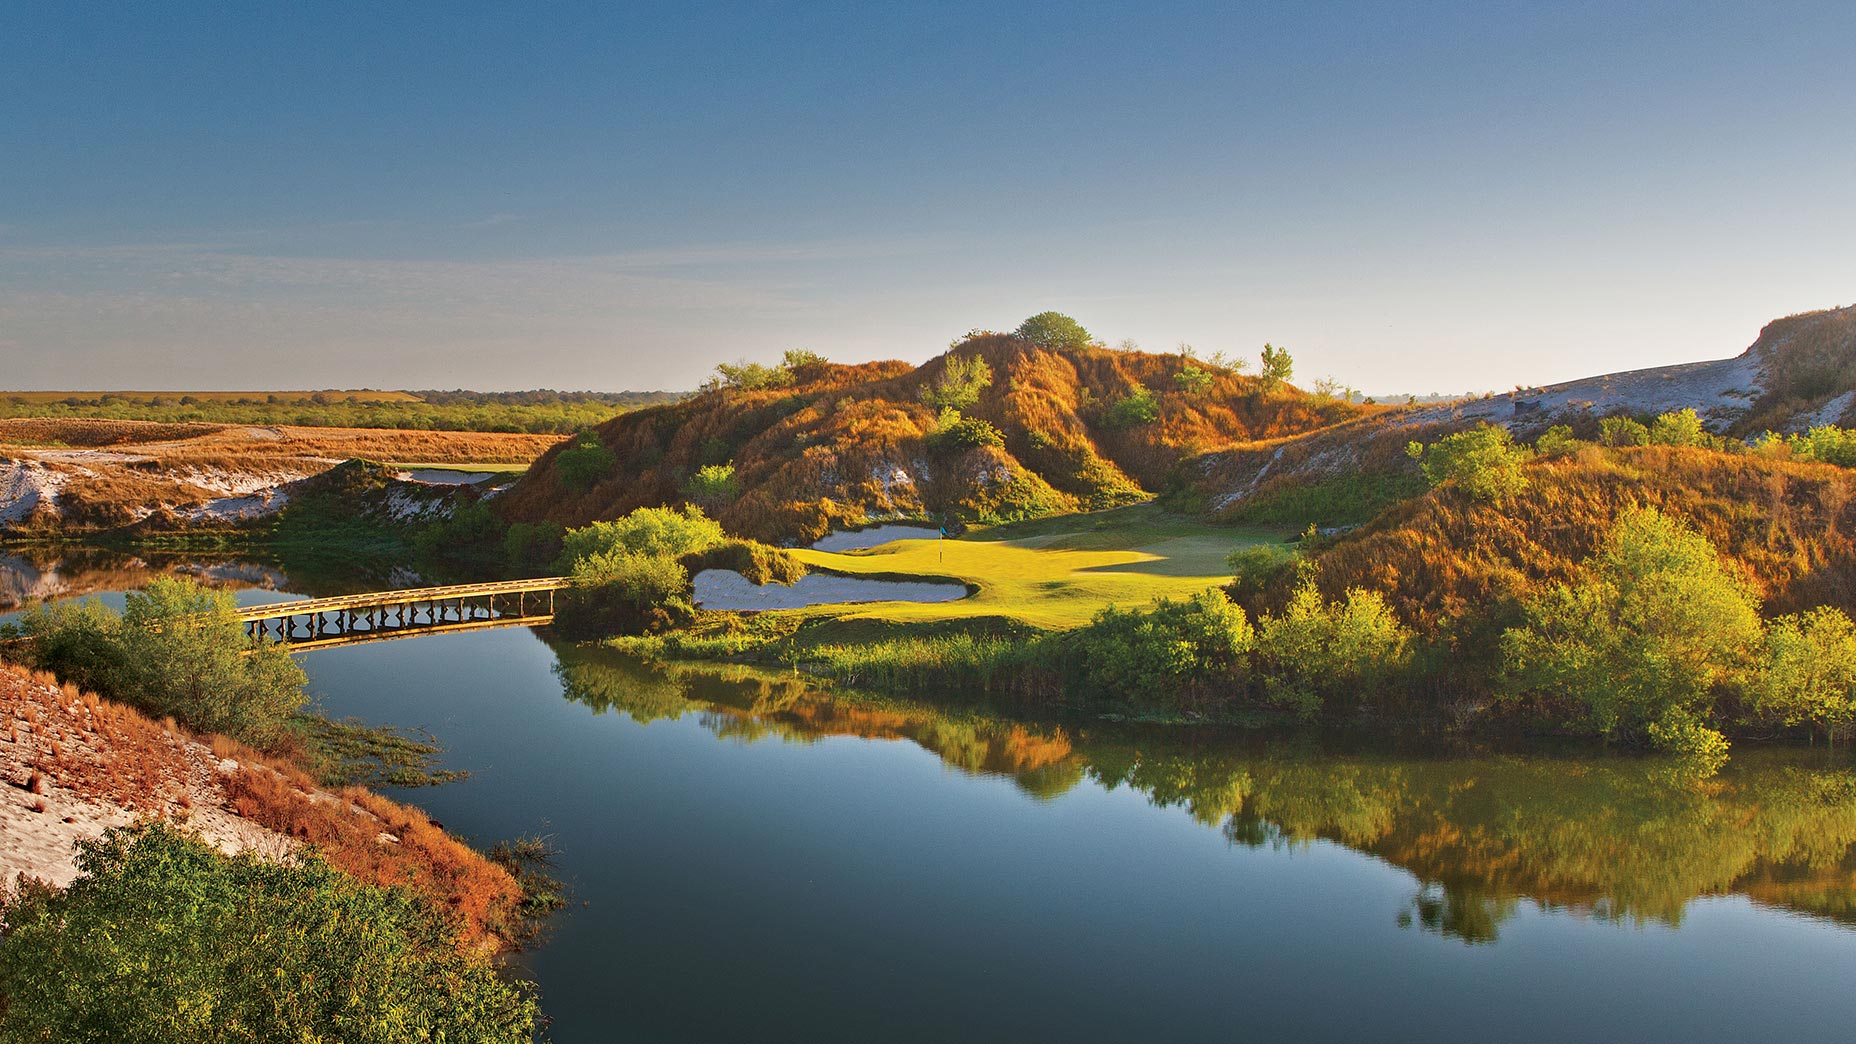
x=1163 y=656
x=1679 y=428
x=954 y=433
x=1193 y=380
x=657 y=532
x=1053 y=330
x=584 y=463
x=529 y=546
x=623 y=592
x=1826 y=444
x=1254 y=569
x=1623 y=431
x=1134 y=409
x=1317 y=650
x=1808 y=672
x=177 y=649
x=1556 y=441
x=713 y=486
x=1642 y=637
x=1484 y=462
x=958 y=387
x=161 y=938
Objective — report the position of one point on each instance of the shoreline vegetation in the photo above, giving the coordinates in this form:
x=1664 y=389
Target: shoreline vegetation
x=425 y=913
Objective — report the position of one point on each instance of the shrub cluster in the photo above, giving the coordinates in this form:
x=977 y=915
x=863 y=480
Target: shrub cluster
x=162 y=938
x=177 y=649
x=1484 y=462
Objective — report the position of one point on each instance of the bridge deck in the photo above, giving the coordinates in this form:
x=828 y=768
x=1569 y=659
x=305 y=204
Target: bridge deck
x=379 y=599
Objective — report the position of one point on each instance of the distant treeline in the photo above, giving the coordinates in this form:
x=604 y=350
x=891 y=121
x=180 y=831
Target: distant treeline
x=540 y=412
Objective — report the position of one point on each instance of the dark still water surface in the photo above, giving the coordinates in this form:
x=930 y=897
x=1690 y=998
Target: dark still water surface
x=759 y=861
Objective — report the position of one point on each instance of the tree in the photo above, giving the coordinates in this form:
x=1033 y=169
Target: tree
x=1556 y=441
x=1641 y=638
x=958 y=385
x=1484 y=462
x=161 y=938
x=1317 y=649
x=1808 y=672
x=1053 y=330
x=1277 y=367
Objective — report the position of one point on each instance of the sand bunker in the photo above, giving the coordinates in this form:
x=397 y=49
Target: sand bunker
x=727 y=589
x=858 y=540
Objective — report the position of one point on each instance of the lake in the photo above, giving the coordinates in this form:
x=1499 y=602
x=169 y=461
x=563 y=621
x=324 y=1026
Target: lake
x=754 y=859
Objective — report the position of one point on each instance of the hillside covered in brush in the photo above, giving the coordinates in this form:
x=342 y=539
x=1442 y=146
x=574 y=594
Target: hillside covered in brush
x=1001 y=427
x=1800 y=373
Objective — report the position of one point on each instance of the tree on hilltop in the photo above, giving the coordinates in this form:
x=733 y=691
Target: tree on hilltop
x=1053 y=330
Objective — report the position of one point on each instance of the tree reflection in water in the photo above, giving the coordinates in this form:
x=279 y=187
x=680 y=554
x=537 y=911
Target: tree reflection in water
x=1622 y=839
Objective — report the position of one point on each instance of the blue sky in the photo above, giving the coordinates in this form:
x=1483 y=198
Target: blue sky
x=1411 y=197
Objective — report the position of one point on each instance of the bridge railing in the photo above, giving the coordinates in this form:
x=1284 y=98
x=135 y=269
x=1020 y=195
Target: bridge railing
x=377 y=599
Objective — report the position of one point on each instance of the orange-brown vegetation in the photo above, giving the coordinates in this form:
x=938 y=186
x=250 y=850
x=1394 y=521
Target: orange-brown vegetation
x=240 y=445
x=66 y=741
x=1789 y=527
x=842 y=445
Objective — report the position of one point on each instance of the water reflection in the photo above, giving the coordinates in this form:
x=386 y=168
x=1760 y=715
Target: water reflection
x=31 y=574
x=1625 y=840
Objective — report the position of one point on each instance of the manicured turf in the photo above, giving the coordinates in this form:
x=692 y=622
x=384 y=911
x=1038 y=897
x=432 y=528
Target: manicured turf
x=1052 y=573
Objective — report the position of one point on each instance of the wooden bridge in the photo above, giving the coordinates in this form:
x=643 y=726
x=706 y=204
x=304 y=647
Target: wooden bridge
x=380 y=616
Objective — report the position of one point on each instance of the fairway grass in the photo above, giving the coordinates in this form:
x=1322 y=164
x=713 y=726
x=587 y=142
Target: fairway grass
x=1053 y=573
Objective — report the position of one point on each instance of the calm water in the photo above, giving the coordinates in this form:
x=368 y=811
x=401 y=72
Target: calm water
x=761 y=862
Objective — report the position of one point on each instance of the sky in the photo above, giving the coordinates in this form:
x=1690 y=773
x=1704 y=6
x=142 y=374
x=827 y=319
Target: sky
x=1410 y=197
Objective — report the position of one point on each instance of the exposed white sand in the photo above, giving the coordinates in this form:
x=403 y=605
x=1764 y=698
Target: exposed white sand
x=727 y=589
x=875 y=536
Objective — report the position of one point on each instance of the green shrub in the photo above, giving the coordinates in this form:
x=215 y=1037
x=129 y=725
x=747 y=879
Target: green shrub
x=1808 y=672
x=954 y=433
x=161 y=938
x=1254 y=569
x=1556 y=441
x=1192 y=380
x=1483 y=462
x=623 y=592
x=1641 y=638
x=1316 y=651
x=1053 y=330
x=660 y=532
x=468 y=532
x=529 y=546
x=1679 y=428
x=959 y=384
x=1623 y=431
x=1827 y=444
x=177 y=649
x=584 y=463
x=1277 y=369
x=1137 y=408
x=713 y=486
x=1165 y=656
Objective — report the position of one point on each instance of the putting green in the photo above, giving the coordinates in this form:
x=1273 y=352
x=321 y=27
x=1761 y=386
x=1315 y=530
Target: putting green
x=1053 y=573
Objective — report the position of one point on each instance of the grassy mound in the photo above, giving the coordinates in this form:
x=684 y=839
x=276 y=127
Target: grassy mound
x=1054 y=430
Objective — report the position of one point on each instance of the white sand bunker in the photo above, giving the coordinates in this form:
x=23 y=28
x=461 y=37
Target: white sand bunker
x=727 y=589
x=857 y=540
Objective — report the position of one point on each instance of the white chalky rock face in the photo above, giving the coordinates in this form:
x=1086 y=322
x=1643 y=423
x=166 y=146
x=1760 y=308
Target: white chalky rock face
x=727 y=589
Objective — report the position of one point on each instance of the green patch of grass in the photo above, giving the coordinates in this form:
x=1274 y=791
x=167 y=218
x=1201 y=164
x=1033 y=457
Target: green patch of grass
x=351 y=752
x=1052 y=573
